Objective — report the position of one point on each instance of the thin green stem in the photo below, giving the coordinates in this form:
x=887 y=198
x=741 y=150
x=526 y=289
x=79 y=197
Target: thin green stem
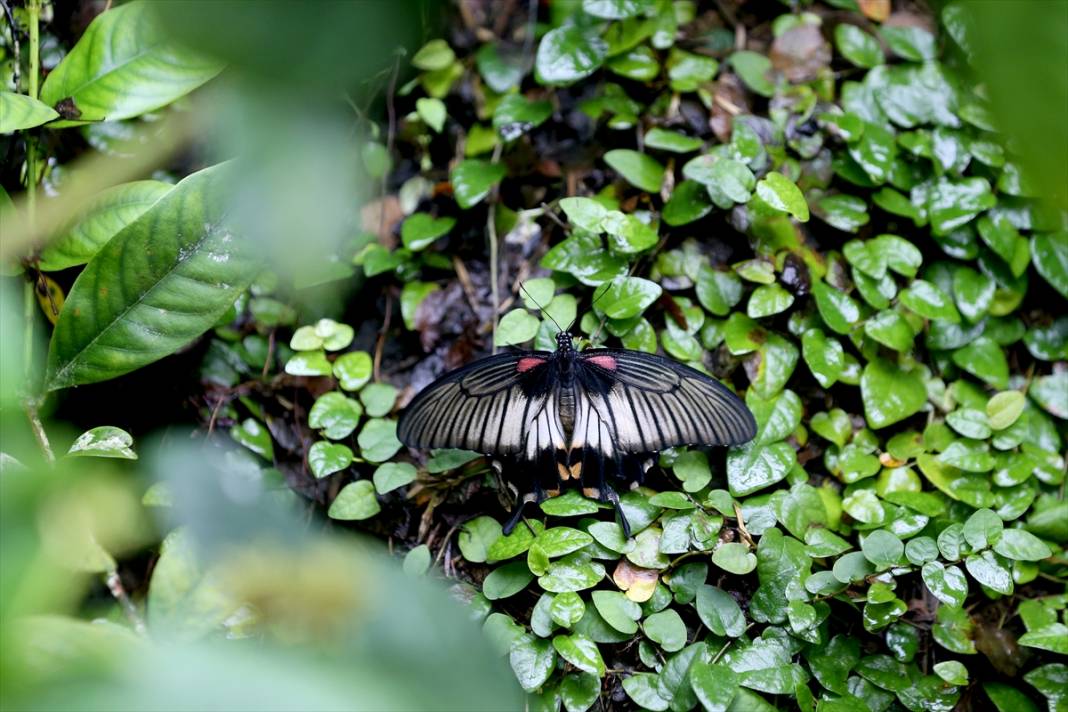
x=32 y=401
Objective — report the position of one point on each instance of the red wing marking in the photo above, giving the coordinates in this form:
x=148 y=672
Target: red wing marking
x=525 y=364
x=603 y=361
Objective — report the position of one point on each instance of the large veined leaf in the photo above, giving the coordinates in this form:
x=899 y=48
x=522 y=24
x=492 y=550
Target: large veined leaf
x=18 y=111
x=154 y=287
x=123 y=66
x=106 y=215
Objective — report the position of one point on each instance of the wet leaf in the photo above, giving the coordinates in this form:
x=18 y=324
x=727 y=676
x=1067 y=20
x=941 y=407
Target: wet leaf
x=640 y=170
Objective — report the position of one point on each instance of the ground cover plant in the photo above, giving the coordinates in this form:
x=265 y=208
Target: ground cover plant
x=825 y=205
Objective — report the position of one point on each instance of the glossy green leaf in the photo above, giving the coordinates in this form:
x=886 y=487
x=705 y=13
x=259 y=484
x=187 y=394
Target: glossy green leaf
x=640 y=170
x=858 y=46
x=627 y=297
x=109 y=441
x=516 y=327
x=1049 y=255
x=783 y=195
x=124 y=65
x=335 y=414
x=378 y=440
x=472 y=180
x=420 y=230
x=355 y=501
x=353 y=370
x=159 y=283
x=581 y=652
x=19 y=112
x=890 y=394
x=326 y=458
x=567 y=54
x=393 y=475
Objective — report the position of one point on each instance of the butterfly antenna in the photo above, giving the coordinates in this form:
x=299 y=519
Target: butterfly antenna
x=539 y=306
x=596 y=298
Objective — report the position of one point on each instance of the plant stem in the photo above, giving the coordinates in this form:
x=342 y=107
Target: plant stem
x=33 y=9
x=32 y=401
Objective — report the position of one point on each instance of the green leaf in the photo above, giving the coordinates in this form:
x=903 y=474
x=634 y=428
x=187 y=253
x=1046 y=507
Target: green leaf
x=753 y=466
x=19 y=112
x=335 y=414
x=858 y=46
x=984 y=359
x=579 y=691
x=626 y=297
x=970 y=423
x=673 y=141
x=326 y=458
x=767 y=300
x=356 y=501
x=420 y=230
x=824 y=356
x=567 y=54
x=515 y=115
x=378 y=399
x=412 y=295
x=1004 y=408
x=559 y=541
x=891 y=330
x=1053 y=637
x=125 y=64
x=718 y=291
x=158 y=284
x=567 y=609
x=930 y=302
x=1049 y=255
x=432 y=112
x=506 y=581
x=837 y=309
x=666 y=629
x=640 y=64
x=308 y=363
x=516 y=327
x=951 y=204
x=477 y=536
x=688 y=202
x=393 y=475
x=883 y=549
x=692 y=468
x=569 y=504
x=109 y=441
x=783 y=195
x=618 y=611
x=845 y=212
x=952 y=671
x=533 y=661
x=734 y=557
x=571 y=573
x=990 y=570
x=642 y=688
x=353 y=370
x=753 y=68
x=640 y=170
x=435 y=55
x=1021 y=545
x=715 y=685
x=584 y=213
x=581 y=652
x=501 y=72
x=472 y=180
x=974 y=292
x=720 y=612
x=947 y=584
x=378 y=440
x=909 y=42
x=890 y=394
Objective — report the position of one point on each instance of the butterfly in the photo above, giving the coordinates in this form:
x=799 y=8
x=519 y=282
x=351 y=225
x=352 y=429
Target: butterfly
x=594 y=418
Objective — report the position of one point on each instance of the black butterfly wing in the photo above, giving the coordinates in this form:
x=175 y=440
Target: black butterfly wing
x=634 y=402
x=501 y=405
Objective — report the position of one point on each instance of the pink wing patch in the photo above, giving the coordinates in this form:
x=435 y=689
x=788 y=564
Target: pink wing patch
x=607 y=362
x=525 y=364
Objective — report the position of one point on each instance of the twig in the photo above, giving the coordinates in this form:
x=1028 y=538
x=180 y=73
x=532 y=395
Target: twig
x=270 y=354
x=741 y=526
x=32 y=405
x=465 y=281
x=381 y=341
x=114 y=584
x=491 y=231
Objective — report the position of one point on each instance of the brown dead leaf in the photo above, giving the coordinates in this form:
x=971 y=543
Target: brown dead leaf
x=877 y=10
x=800 y=53
x=381 y=218
x=637 y=582
x=728 y=101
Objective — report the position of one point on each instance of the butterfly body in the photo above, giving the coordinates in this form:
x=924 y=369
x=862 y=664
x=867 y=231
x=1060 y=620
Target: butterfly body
x=592 y=418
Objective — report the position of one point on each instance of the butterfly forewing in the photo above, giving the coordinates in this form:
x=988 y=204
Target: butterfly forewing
x=490 y=406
